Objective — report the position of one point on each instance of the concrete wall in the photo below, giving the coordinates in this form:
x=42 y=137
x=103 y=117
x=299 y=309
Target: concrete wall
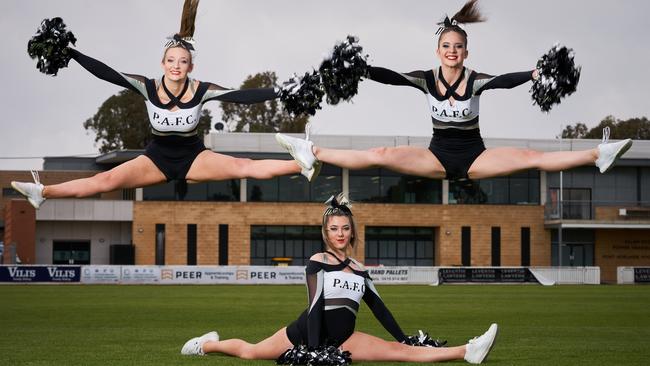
x=100 y=234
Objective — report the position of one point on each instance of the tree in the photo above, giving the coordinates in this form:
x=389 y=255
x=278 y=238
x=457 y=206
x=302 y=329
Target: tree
x=634 y=128
x=122 y=123
x=577 y=132
x=261 y=117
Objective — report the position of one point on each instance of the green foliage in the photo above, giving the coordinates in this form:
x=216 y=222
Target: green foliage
x=147 y=325
x=575 y=132
x=634 y=128
x=122 y=123
x=262 y=117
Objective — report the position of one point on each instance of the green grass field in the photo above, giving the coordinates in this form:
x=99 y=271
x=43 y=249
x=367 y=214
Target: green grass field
x=147 y=325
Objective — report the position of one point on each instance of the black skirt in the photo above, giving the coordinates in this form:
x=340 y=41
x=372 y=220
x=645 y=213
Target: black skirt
x=174 y=155
x=456 y=150
x=337 y=325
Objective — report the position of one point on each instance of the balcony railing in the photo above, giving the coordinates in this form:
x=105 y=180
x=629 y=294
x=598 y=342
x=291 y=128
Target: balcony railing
x=586 y=210
x=571 y=210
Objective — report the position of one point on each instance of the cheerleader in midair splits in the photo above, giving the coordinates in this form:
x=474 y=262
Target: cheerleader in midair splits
x=456 y=150
x=174 y=105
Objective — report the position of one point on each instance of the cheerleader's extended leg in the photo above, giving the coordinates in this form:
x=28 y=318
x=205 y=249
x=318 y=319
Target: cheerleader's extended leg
x=138 y=172
x=504 y=161
x=507 y=160
x=211 y=166
x=365 y=347
x=402 y=159
x=267 y=349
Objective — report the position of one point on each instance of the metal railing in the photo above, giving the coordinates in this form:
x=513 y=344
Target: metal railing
x=571 y=210
x=585 y=209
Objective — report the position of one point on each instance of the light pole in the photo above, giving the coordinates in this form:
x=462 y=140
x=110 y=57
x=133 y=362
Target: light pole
x=559 y=230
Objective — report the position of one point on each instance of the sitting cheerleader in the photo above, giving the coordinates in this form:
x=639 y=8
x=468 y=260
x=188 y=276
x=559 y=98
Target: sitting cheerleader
x=324 y=333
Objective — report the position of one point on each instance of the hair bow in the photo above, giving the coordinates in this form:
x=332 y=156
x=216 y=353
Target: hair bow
x=185 y=42
x=334 y=205
x=446 y=23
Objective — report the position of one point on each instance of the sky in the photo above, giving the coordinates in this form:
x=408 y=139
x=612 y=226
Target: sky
x=44 y=115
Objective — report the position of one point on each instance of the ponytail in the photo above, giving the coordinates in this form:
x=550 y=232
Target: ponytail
x=469 y=13
x=187 y=18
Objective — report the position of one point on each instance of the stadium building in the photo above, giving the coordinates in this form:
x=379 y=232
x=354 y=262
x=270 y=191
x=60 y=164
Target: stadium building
x=519 y=220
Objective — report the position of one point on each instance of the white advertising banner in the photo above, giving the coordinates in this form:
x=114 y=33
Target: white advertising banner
x=237 y=275
x=403 y=275
x=232 y=275
x=389 y=274
x=140 y=274
x=101 y=274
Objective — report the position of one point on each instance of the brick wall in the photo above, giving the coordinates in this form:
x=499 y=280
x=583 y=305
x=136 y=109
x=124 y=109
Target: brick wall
x=620 y=248
x=20 y=229
x=240 y=216
x=634 y=214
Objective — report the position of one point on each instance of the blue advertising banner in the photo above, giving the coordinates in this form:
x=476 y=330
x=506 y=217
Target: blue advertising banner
x=27 y=274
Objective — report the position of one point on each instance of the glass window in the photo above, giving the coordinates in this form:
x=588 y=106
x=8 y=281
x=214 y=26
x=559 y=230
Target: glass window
x=296 y=242
x=10 y=193
x=644 y=180
x=159 y=192
x=516 y=189
x=392 y=189
x=576 y=203
x=295 y=188
x=577 y=247
x=422 y=190
x=225 y=190
x=365 y=185
x=70 y=252
x=469 y=192
x=403 y=246
x=497 y=190
x=382 y=185
x=220 y=191
x=262 y=190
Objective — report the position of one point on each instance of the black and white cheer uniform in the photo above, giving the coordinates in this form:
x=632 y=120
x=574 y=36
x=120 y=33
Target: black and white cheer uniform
x=334 y=299
x=175 y=143
x=456 y=140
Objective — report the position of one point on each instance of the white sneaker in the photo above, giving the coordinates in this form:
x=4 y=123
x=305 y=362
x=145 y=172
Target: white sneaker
x=478 y=348
x=312 y=173
x=195 y=345
x=300 y=150
x=608 y=153
x=33 y=191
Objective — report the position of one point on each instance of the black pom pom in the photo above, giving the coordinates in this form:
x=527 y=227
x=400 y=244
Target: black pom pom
x=558 y=77
x=422 y=339
x=319 y=356
x=342 y=71
x=302 y=95
x=297 y=355
x=50 y=46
